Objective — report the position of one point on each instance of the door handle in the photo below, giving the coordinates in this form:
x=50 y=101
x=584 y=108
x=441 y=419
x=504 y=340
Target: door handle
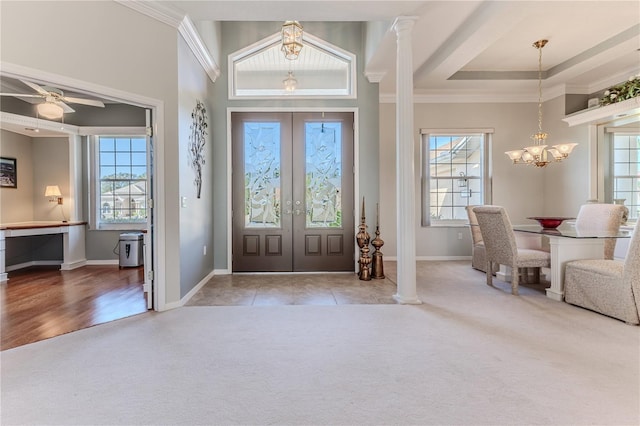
x=288 y=209
x=297 y=211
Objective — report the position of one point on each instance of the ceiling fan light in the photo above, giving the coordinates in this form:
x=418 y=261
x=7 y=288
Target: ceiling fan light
x=50 y=110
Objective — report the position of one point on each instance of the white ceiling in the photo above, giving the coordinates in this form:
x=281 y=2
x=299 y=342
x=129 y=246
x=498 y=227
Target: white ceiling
x=462 y=50
x=475 y=47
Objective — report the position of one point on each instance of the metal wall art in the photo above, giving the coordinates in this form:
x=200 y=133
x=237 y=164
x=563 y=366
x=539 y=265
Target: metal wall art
x=196 y=143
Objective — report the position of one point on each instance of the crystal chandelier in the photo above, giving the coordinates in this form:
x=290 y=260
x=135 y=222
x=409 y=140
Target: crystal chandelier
x=538 y=154
x=291 y=39
x=290 y=82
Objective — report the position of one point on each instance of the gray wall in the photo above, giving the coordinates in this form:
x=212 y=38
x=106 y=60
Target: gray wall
x=50 y=167
x=196 y=220
x=237 y=35
x=16 y=204
x=107 y=44
x=558 y=189
x=40 y=162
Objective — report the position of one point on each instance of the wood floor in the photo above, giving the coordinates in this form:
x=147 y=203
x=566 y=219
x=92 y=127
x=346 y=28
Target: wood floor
x=42 y=302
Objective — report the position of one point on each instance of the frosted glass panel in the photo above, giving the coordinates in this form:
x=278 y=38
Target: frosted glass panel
x=262 y=175
x=323 y=186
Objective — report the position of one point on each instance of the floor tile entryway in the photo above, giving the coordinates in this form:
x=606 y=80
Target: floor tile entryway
x=294 y=289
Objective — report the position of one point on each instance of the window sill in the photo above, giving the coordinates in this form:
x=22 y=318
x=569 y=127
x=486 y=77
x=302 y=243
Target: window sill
x=140 y=226
x=451 y=224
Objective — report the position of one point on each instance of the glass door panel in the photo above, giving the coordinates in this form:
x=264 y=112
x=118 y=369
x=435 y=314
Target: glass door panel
x=323 y=180
x=262 y=175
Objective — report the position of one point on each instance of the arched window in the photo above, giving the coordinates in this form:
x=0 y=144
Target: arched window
x=322 y=70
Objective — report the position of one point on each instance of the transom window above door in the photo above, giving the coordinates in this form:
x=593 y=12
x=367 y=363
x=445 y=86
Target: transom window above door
x=322 y=70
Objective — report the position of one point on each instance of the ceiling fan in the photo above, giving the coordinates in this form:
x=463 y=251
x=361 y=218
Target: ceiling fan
x=54 y=105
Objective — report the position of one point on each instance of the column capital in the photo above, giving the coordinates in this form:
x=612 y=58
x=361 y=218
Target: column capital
x=403 y=23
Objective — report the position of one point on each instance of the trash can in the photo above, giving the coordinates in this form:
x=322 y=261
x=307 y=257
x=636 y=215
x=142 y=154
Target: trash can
x=131 y=249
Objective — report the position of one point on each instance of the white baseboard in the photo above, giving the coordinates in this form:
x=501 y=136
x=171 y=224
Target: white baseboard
x=195 y=289
x=432 y=258
x=221 y=272
x=103 y=262
x=73 y=265
x=32 y=263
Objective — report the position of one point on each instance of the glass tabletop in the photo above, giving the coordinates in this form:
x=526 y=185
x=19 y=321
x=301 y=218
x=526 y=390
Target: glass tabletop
x=570 y=231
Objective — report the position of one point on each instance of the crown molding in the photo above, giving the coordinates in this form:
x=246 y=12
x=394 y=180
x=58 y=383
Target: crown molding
x=195 y=43
x=184 y=25
x=155 y=10
x=32 y=125
x=375 y=76
x=461 y=98
x=613 y=80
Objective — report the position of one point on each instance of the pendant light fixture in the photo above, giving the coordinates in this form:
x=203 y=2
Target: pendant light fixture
x=538 y=154
x=290 y=83
x=291 y=39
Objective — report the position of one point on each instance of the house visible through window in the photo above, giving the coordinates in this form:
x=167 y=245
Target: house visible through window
x=454 y=175
x=121 y=179
x=626 y=171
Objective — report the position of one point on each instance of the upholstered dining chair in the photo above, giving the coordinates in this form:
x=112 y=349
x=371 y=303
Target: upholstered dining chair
x=609 y=287
x=478 y=253
x=601 y=217
x=500 y=245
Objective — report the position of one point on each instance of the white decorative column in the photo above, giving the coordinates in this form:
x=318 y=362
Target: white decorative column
x=405 y=175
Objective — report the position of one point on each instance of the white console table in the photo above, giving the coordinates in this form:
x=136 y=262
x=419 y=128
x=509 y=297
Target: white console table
x=73 y=240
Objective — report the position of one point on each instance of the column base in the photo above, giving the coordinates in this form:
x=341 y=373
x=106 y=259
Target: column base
x=554 y=295
x=407 y=301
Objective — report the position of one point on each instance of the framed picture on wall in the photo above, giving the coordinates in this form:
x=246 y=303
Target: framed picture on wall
x=8 y=173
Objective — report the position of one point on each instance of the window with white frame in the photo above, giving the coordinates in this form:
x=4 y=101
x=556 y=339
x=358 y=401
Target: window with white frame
x=454 y=174
x=625 y=168
x=120 y=181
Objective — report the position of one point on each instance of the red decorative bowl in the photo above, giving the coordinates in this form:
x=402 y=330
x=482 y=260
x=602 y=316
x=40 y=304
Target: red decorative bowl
x=550 y=222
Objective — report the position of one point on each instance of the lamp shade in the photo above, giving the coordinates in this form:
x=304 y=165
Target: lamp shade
x=52 y=191
x=50 y=110
x=565 y=148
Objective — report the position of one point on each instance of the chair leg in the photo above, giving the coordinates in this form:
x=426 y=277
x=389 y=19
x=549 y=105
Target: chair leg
x=514 y=280
x=489 y=274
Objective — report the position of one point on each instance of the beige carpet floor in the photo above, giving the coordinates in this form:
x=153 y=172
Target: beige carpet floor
x=469 y=355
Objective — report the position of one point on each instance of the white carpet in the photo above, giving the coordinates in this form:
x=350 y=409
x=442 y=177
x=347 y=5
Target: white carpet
x=471 y=355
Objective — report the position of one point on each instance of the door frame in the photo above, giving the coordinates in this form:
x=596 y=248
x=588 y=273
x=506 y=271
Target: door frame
x=356 y=166
x=158 y=283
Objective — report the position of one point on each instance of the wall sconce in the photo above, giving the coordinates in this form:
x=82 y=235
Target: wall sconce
x=54 y=194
